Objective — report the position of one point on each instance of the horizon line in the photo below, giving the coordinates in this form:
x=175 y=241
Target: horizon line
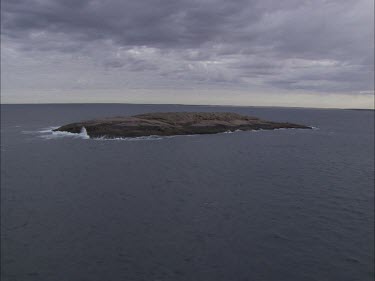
x=182 y=104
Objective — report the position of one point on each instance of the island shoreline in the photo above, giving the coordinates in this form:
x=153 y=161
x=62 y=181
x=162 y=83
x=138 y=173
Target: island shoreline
x=173 y=124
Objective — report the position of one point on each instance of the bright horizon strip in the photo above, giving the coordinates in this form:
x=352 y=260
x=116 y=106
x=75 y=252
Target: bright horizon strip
x=192 y=97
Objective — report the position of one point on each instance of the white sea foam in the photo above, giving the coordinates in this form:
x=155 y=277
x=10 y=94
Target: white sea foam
x=42 y=131
x=146 y=138
x=47 y=130
x=49 y=133
x=231 y=132
x=83 y=133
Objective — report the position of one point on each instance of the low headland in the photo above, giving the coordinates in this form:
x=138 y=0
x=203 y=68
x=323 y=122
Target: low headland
x=173 y=123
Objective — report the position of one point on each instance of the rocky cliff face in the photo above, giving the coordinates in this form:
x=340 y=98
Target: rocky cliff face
x=173 y=123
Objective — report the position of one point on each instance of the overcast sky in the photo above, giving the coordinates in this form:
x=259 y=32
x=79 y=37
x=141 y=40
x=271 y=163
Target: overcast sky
x=316 y=53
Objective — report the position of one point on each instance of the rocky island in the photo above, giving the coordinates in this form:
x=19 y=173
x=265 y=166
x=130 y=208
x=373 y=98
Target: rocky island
x=173 y=123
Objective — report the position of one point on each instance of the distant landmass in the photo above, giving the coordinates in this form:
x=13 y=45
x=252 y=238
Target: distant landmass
x=362 y=109
x=173 y=123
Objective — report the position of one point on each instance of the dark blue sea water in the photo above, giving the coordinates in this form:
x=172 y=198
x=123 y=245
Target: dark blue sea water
x=268 y=205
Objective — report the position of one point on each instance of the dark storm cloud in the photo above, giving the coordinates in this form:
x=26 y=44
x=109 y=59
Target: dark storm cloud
x=293 y=44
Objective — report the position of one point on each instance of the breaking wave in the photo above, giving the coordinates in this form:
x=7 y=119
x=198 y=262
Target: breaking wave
x=146 y=138
x=49 y=133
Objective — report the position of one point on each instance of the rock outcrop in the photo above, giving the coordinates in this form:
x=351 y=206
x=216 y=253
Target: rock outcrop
x=173 y=123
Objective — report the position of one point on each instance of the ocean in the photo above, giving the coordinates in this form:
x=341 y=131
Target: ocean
x=265 y=205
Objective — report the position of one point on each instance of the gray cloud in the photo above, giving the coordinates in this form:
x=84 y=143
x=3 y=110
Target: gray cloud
x=321 y=45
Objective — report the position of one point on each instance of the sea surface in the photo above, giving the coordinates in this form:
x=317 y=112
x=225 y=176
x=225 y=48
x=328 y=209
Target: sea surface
x=293 y=205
